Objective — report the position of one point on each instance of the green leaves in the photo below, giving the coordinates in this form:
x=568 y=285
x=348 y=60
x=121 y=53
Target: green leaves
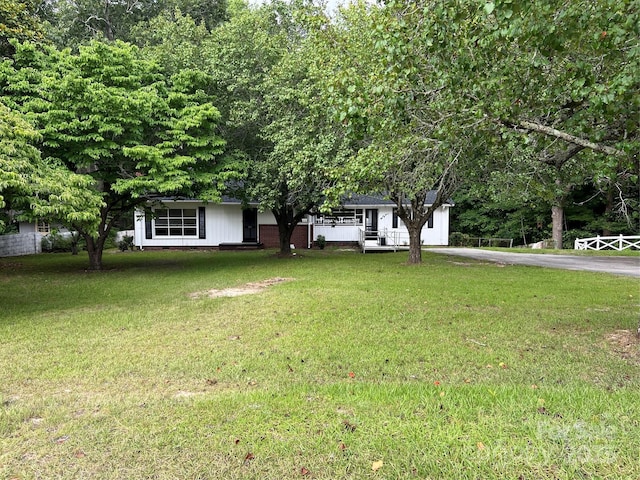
x=114 y=131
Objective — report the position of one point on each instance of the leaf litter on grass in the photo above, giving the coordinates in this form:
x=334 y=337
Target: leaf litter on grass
x=625 y=344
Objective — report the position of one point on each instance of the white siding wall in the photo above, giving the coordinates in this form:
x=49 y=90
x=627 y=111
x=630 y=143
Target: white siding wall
x=339 y=233
x=438 y=235
x=26 y=227
x=266 y=218
x=223 y=225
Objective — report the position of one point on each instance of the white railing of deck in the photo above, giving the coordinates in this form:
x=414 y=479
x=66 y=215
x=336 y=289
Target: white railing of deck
x=619 y=243
x=392 y=239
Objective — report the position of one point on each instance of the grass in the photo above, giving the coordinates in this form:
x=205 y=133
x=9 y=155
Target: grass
x=446 y=370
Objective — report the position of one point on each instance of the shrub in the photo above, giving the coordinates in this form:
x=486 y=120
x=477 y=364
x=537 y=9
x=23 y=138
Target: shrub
x=126 y=243
x=321 y=241
x=56 y=242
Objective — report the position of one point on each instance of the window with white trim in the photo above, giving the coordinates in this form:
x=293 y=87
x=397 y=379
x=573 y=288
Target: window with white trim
x=176 y=222
x=43 y=227
x=342 y=216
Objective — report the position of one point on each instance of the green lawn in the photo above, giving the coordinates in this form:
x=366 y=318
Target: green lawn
x=452 y=369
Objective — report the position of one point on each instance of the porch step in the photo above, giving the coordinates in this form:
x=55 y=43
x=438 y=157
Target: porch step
x=241 y=246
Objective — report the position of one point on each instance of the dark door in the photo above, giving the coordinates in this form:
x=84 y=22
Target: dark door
x=371 y=221
x=250 y=225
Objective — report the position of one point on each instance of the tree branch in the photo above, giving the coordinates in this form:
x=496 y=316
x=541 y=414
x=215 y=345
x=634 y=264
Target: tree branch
x=537 y=127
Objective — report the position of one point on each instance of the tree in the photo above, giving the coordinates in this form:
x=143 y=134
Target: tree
x=391 y=73
x=18 y=20
x=273 y=113
x=551 y=89
x=292 y=178
x=17 y=153
x=72 y=23
x=563 y=88
x=109 y=115
x=33 y=187
x=174 y=41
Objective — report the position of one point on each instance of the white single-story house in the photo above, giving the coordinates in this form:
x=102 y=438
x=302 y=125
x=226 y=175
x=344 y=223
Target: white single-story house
x=365 y=220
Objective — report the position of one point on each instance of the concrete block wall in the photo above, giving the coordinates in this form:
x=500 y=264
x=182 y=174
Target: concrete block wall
x=20 y=244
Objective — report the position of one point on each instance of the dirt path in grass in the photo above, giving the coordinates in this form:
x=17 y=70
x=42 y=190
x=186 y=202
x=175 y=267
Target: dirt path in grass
x=246 y=289
x=628 y=266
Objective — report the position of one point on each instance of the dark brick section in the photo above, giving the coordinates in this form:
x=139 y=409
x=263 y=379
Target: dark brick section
x=270 y=238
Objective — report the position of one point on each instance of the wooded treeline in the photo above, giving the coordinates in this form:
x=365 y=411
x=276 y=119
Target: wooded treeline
x=524 y=113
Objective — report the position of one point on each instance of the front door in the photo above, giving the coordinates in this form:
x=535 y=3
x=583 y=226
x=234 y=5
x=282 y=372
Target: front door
x=371 y=221
x=250 y=225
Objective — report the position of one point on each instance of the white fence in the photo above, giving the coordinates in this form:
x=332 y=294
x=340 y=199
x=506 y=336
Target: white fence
x=621 y=242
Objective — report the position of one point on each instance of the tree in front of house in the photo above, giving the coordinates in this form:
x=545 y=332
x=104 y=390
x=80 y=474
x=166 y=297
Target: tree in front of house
x=391 y=74
x=17 y=155
x=272 y=111
x=112 y=118
x=33 y=188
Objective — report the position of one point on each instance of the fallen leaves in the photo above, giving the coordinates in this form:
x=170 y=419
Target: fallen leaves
x=348 y=426
x=544 y=411
x=377 y=465
x=247 y=459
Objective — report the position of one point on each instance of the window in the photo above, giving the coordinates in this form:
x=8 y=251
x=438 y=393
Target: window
x=176 y=222
x=430 y=221
x=43 y=227
x=343 y=216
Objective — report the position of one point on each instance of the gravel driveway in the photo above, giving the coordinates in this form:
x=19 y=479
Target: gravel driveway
x=629 y=266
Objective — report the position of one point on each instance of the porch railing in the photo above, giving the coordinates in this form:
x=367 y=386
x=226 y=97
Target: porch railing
x=619 y=243
x=380 y=239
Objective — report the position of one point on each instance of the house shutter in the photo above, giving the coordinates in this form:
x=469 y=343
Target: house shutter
x=394 y=218
x=148 y=229
x=202 y=230
x=430 y=221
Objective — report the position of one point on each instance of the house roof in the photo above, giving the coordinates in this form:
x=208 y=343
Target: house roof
x=352 y=200
x=374 y=200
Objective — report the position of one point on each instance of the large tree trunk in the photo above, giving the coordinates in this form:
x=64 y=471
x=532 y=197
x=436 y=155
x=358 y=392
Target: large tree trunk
x=287 y=220
x=95 y=248
x=557 y=220
x=415 y=246
x=284 y=237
